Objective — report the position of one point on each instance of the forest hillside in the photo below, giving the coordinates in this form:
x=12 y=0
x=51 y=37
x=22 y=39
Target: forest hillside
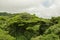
x=24 y=26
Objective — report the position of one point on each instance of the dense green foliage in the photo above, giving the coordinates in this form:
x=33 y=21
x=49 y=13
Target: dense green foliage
x=24 y=26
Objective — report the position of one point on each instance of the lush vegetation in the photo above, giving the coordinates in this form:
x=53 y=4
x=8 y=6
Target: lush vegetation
x=24 y=26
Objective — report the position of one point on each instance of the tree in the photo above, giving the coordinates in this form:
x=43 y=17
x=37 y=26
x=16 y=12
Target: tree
x=53 y=29
x=5 y=36
x=46 y=37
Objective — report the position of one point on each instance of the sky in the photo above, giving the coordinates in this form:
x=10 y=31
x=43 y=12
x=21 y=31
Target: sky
x=42 y=8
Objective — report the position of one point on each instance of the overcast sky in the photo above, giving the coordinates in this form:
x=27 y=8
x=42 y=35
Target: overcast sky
x=42 y=8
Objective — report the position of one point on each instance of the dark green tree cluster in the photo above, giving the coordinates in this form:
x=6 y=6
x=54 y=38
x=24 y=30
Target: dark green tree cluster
x=24 y=26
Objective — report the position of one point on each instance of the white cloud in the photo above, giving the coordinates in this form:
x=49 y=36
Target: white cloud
x=42 y=8
x=47 y=12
